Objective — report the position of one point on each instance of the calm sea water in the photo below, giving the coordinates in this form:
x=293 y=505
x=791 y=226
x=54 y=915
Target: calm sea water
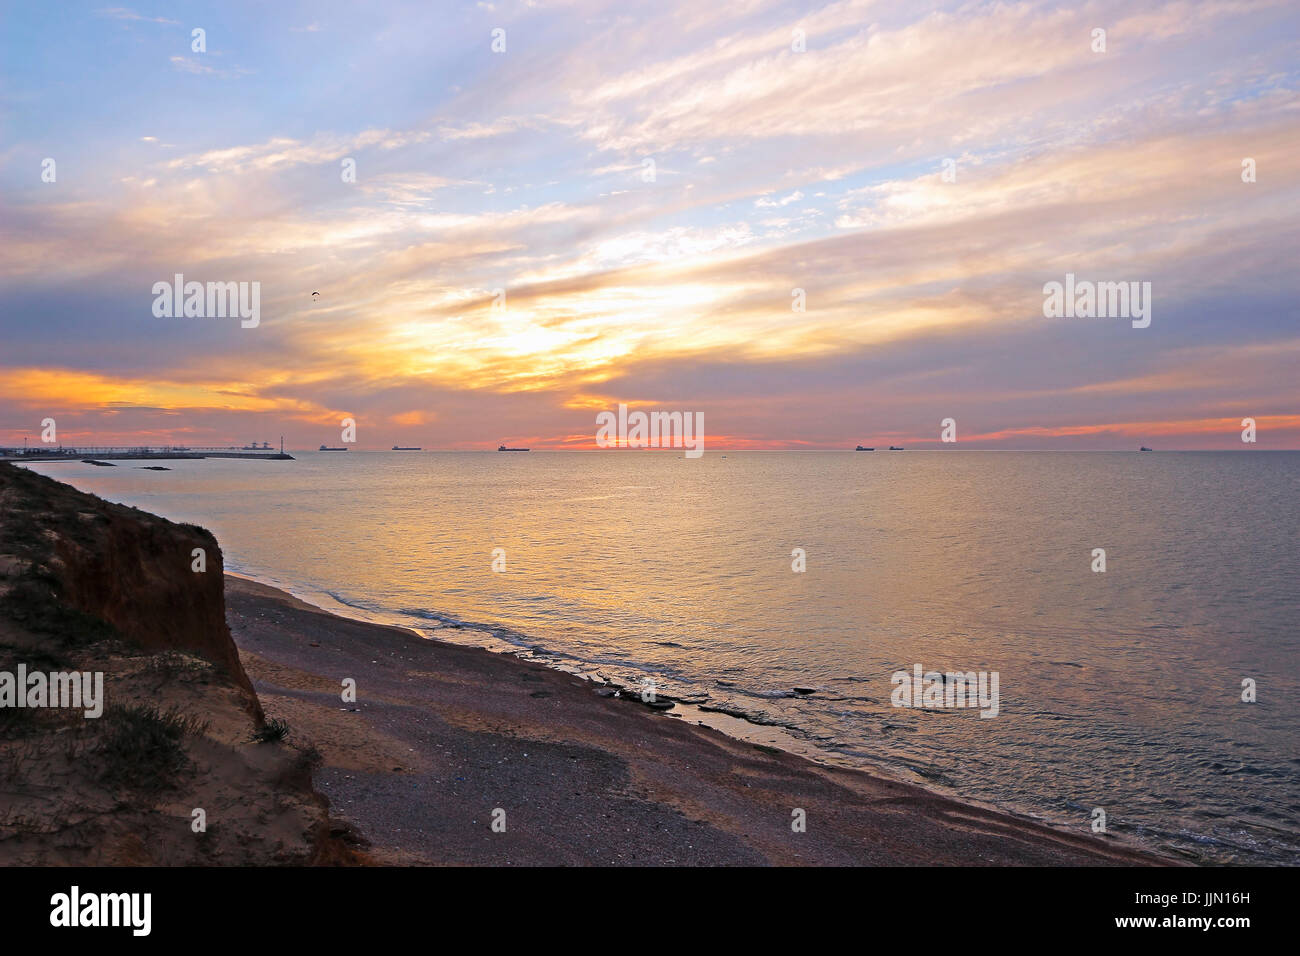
x=1119 y=690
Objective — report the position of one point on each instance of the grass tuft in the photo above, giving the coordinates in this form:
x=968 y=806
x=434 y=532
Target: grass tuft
x=273 y=731
x=142 y=747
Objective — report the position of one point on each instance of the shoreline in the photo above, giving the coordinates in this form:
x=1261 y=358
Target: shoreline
x=578 y=775
x=733 y=725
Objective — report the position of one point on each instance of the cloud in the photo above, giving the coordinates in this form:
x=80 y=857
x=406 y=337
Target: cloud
x=285 y=152
x=818 y=171
x=187 y=64
x=122 y=13
x=767 y=202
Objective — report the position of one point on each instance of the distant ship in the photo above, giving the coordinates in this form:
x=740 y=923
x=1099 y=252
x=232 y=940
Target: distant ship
x=1144 y=448
x=405 y=448
x=327 y=448
x=863 y=448
x=504 y=448
x=265 y=446
x=895 y=448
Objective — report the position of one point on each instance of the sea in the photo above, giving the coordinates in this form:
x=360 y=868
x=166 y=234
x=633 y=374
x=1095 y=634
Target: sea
x=1158 y=695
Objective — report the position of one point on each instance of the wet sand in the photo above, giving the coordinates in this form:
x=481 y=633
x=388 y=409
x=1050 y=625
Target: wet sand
x=442 y=738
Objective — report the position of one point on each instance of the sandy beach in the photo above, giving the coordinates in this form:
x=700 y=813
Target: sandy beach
x=442 y=737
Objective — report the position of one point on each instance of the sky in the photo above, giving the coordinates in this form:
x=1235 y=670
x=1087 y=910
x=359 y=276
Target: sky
x=814 y=224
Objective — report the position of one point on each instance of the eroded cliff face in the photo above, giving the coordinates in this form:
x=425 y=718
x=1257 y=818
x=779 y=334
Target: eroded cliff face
x=136 y=571
x=172 y=771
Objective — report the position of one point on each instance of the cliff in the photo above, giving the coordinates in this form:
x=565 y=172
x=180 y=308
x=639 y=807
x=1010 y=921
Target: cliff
x=181 y=766
x=128 y=568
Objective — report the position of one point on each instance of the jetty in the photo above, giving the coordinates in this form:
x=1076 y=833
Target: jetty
x=135 y=452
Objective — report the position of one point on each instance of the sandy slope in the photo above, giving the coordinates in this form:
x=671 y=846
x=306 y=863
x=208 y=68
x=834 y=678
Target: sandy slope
x=88 y=586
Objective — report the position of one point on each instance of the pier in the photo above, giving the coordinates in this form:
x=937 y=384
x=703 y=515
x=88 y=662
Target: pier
x=138 y=452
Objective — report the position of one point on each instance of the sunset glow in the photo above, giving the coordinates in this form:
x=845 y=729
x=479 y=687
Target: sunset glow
x=665 y=285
